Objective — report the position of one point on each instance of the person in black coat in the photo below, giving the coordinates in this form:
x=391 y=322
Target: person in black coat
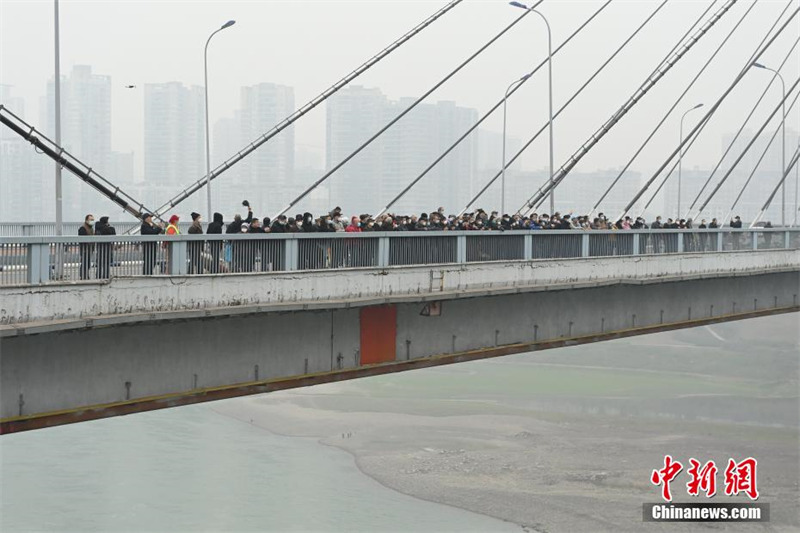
x=149 y=249
x=215 y=247
x=736 y=223
x=195 y=248
x=105 y=250
x=236 y=226
x=86 y=249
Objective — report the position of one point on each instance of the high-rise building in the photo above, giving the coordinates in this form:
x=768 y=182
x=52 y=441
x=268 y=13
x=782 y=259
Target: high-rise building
x=353 y=115
x=174 y=142
x=20 y=168
x=377 y=174
x=265 y=177
x=85 y=133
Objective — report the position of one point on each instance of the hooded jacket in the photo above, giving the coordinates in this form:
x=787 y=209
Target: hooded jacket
x=104 y=228
x=216 y=226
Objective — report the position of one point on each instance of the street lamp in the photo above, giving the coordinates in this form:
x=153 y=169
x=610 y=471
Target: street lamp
x=550 y=81
x=208 y=148
x=783 y=143
x=680 y=156
x=796 y=186
x=503 y=168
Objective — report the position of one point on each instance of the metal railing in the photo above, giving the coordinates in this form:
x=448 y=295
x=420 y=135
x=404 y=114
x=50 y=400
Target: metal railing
x=41 y=229
x=40 y=259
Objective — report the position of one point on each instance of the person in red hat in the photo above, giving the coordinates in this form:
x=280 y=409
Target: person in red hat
x=172 y=229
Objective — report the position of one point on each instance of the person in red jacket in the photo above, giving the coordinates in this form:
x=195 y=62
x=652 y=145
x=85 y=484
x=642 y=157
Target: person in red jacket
x=355 y=226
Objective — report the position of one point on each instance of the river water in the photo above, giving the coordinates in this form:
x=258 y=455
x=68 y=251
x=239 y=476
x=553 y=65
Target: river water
x=512 y=437
x=193 y=469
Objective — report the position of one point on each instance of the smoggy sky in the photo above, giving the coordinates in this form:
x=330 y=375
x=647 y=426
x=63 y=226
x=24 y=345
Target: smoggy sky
x=311 y=44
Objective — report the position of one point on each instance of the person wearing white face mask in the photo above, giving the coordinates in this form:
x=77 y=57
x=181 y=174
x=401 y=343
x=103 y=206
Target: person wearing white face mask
x=86 y=249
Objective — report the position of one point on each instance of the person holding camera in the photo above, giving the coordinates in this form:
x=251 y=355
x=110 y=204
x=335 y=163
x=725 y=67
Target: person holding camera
x=149 y=249
x=236 y=226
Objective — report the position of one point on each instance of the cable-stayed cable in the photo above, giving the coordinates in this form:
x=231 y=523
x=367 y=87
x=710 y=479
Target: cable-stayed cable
x=670 y=110
x=708 y=114
x=77 y=167
x=648 y=84
x=543 y=128
x=693 y=138
x=561 y=109
x=760 y=159
x=288 y=121
x=749 y=145
x=404 y=112
x=744 y=124
x=789 y=167
x=730 y=146
x=494 y=108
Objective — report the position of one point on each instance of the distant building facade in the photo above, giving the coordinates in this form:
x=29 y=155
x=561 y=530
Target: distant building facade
x=174 y=141
x=372 y=178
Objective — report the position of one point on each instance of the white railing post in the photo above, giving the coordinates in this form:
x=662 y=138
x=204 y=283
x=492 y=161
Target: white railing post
x=585 y=245
x=290 y=251
x=38 y=263
x=177 y=258
x=719 y=241
x=527 y=246
x=383 y=251
x=754 y=236
x=680 y=242
x=635 y=244
x=461 y=249
x=787 y=239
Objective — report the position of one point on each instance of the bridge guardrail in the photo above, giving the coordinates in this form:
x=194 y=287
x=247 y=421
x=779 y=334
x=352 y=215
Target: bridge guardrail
x=47 y=259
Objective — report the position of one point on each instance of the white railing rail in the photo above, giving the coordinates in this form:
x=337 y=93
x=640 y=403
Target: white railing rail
x=32 y=259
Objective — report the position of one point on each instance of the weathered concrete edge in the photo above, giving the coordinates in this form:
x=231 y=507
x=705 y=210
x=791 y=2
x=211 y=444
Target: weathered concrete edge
x=96 y=412
x=34 y=328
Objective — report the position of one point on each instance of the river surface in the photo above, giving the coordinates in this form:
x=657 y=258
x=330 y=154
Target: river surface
x=526 y=439
x=194 y=469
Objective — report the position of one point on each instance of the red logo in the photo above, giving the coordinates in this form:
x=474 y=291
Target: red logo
x=739 y=477
x=665 y=475
x=704 y=478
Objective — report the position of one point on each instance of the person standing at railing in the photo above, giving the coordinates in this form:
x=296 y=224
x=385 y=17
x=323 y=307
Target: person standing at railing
x=259 y=246
x=703 y=236
x=215 y=247
x=195 y=248
x=86 y=249
x=767 y=234
x=172 y=228
x=736 y=223
x=105 y=250
x=149 y=249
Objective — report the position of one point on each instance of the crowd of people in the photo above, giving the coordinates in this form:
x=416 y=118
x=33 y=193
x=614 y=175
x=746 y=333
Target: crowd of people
x=479 y=220
x=211 y=255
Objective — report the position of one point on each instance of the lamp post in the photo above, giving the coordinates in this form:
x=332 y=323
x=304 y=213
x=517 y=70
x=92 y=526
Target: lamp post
x=783 y=143
x=680 y=156
x=796 y=186
x=208 y=142
x=57 y=87
x=550 y=82
x=503 y=168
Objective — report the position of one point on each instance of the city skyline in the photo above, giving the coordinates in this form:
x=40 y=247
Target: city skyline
x=174 y=126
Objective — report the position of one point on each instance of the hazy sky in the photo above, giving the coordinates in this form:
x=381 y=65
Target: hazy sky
x=309 y=45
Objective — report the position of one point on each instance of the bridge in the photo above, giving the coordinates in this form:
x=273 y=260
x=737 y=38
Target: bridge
x=292 y=310
x=99 y=326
